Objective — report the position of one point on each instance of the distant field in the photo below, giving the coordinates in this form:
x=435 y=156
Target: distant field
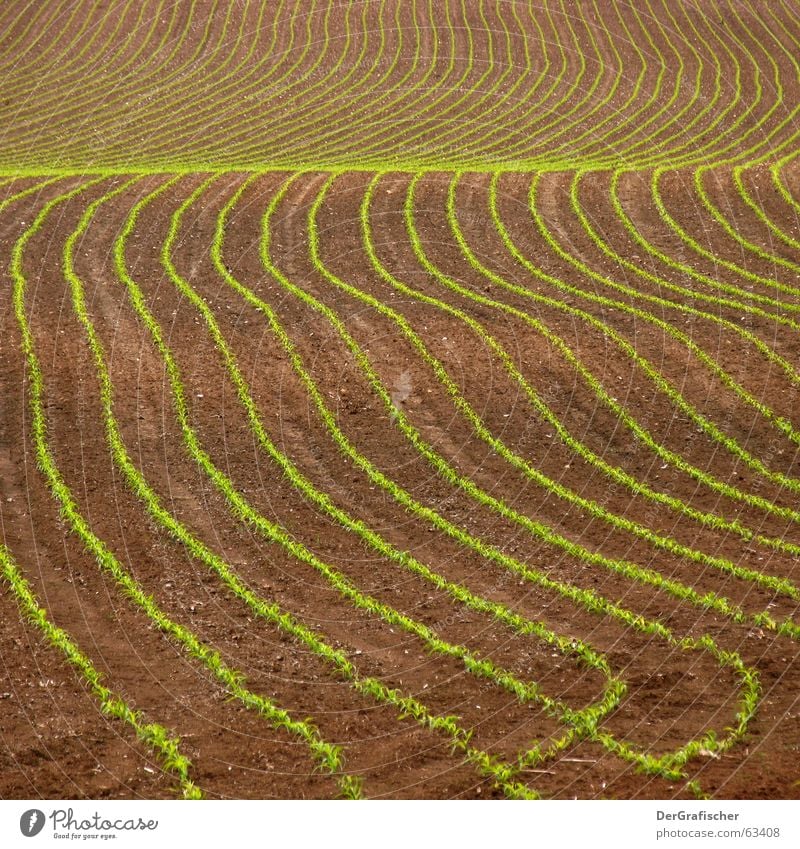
x=399 y=399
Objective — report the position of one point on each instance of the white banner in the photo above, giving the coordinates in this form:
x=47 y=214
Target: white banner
x=401 y=825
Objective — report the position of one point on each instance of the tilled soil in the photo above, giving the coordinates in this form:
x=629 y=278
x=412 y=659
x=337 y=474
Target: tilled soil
x=672 y=696
x=576 y=419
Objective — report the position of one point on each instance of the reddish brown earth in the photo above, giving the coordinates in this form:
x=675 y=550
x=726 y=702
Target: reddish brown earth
x=122 y=85
x=154 y=105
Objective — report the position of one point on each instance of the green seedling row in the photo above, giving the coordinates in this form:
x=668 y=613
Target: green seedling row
x=165 y=747
x=588 y=600
x=244 y=511
x=233 y=681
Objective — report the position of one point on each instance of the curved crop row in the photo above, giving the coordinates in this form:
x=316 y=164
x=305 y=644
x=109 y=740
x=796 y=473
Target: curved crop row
x=526 y=276
x=459 y=89
x=327 y=755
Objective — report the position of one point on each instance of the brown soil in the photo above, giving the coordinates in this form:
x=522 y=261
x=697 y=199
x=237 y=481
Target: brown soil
x=147 y=105
x=118 y=85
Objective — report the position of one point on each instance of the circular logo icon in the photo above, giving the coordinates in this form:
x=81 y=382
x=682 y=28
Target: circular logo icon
x=31 y=822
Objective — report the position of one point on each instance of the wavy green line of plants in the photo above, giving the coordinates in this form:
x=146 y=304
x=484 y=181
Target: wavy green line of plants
x=624 y=416
x=585 y=599
x=327 y=755
x=617 y=474
x=532 y=473
x=502 y=773
x=704 y=424
x=155 y=736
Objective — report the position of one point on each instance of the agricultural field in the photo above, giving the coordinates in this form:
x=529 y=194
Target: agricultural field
x=399 y=399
